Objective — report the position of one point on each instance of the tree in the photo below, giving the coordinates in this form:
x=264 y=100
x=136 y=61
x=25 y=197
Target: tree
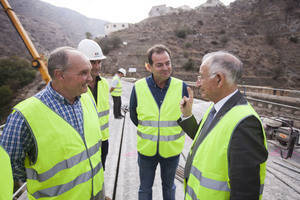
x=88 y=35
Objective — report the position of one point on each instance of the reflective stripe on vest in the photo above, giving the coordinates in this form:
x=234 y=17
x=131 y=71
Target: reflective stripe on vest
x=33 y=174
x=104 y=126
x=60 y=189
x=208 y=178
x=158 y=123
x=99 y=196
x=118 y=89
x=191 y=193
x=158 y=127
x=210 y=183
x=7 y=183
x=117 y=92
x=67 y=166
x=103 y=113
x=165 y=138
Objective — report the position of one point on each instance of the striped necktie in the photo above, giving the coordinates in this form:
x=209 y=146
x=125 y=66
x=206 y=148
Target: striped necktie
x=209 y=118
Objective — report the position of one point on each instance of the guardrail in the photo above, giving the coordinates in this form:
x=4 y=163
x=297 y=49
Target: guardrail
x=270 y=91
x=268 y=108
x=268 y=101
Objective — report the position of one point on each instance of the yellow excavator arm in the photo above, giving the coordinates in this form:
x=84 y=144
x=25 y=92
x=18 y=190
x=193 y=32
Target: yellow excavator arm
x=37 y=61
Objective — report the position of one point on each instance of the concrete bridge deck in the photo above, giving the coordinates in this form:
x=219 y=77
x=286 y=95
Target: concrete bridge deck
x=282 y=180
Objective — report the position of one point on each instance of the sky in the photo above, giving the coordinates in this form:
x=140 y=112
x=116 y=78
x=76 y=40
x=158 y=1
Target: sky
x=123 y=11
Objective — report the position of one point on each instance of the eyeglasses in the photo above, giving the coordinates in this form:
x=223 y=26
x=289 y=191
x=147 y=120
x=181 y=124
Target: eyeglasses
x=83 y=73
x=201 y=77
x=93 y=62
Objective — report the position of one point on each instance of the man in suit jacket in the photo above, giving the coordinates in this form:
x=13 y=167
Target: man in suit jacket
x=228 y=156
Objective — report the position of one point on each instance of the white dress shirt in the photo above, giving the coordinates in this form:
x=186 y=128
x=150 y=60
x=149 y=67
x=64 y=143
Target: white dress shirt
x=217 y=106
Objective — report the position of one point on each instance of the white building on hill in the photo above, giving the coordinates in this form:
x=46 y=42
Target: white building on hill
x=212 y=3
x=112 y=27
x=163 y=10
x=159 y=10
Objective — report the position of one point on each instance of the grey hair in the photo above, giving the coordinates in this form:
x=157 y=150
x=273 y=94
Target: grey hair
x=222 y=61
x=58 y=59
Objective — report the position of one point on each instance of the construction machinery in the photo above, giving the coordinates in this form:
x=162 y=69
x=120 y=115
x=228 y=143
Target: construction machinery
x=281 y=131
x=37 y=61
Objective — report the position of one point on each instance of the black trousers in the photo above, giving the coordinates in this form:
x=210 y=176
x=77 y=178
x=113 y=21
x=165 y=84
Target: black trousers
x=104 y=152
x=117 y=106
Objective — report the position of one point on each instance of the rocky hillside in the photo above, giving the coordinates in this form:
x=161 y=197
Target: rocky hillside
x=265 y=34
x=48 y=26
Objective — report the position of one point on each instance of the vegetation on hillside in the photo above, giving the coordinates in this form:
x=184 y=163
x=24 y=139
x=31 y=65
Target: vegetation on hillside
x=15 y=73
x=109 y=43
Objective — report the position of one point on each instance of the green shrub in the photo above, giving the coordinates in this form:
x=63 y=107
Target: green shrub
x=293 y=39
x=200 y=22
x=180 y=33
x=188 y=45
x=88 y=35
x=214 y=42
x=222 y=31
x=277 y=72
x=184 y=31
x=185 y=54
x=6 y=96
x=270 y=38
x=6 y=93
x=107 y=44
x=15 y=72
x=116 y=42
x=189 y=65
x=224 y=39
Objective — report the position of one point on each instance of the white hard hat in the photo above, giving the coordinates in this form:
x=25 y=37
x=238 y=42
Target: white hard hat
x=91 y=49
x=123 y=71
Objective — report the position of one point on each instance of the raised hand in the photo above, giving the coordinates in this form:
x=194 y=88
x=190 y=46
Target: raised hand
x=186 y=103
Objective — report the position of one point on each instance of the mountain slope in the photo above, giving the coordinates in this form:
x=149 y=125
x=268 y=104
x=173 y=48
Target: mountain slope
x=48 y=26
x=265 y=34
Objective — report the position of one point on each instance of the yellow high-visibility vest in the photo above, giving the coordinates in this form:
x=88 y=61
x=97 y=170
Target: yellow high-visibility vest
x=67 y=166
x=6 y=183
x=118 y=89
x=158 y=127
x=208 y=178
x=102 y=106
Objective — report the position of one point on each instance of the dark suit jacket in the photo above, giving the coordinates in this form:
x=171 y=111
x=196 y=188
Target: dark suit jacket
x=246 y=150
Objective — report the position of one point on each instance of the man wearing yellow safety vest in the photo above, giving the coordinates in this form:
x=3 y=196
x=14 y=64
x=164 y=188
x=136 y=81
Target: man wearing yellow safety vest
x=55 y=134
x=116 y=92
x=228 y=157
x=154 y=109
x=6 y=183
x=98 y=90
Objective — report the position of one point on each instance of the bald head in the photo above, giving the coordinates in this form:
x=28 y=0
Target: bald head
x=60 y=59
x=226 y=63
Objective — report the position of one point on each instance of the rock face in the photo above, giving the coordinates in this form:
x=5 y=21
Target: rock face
x=48 y=27
x=264 y=34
